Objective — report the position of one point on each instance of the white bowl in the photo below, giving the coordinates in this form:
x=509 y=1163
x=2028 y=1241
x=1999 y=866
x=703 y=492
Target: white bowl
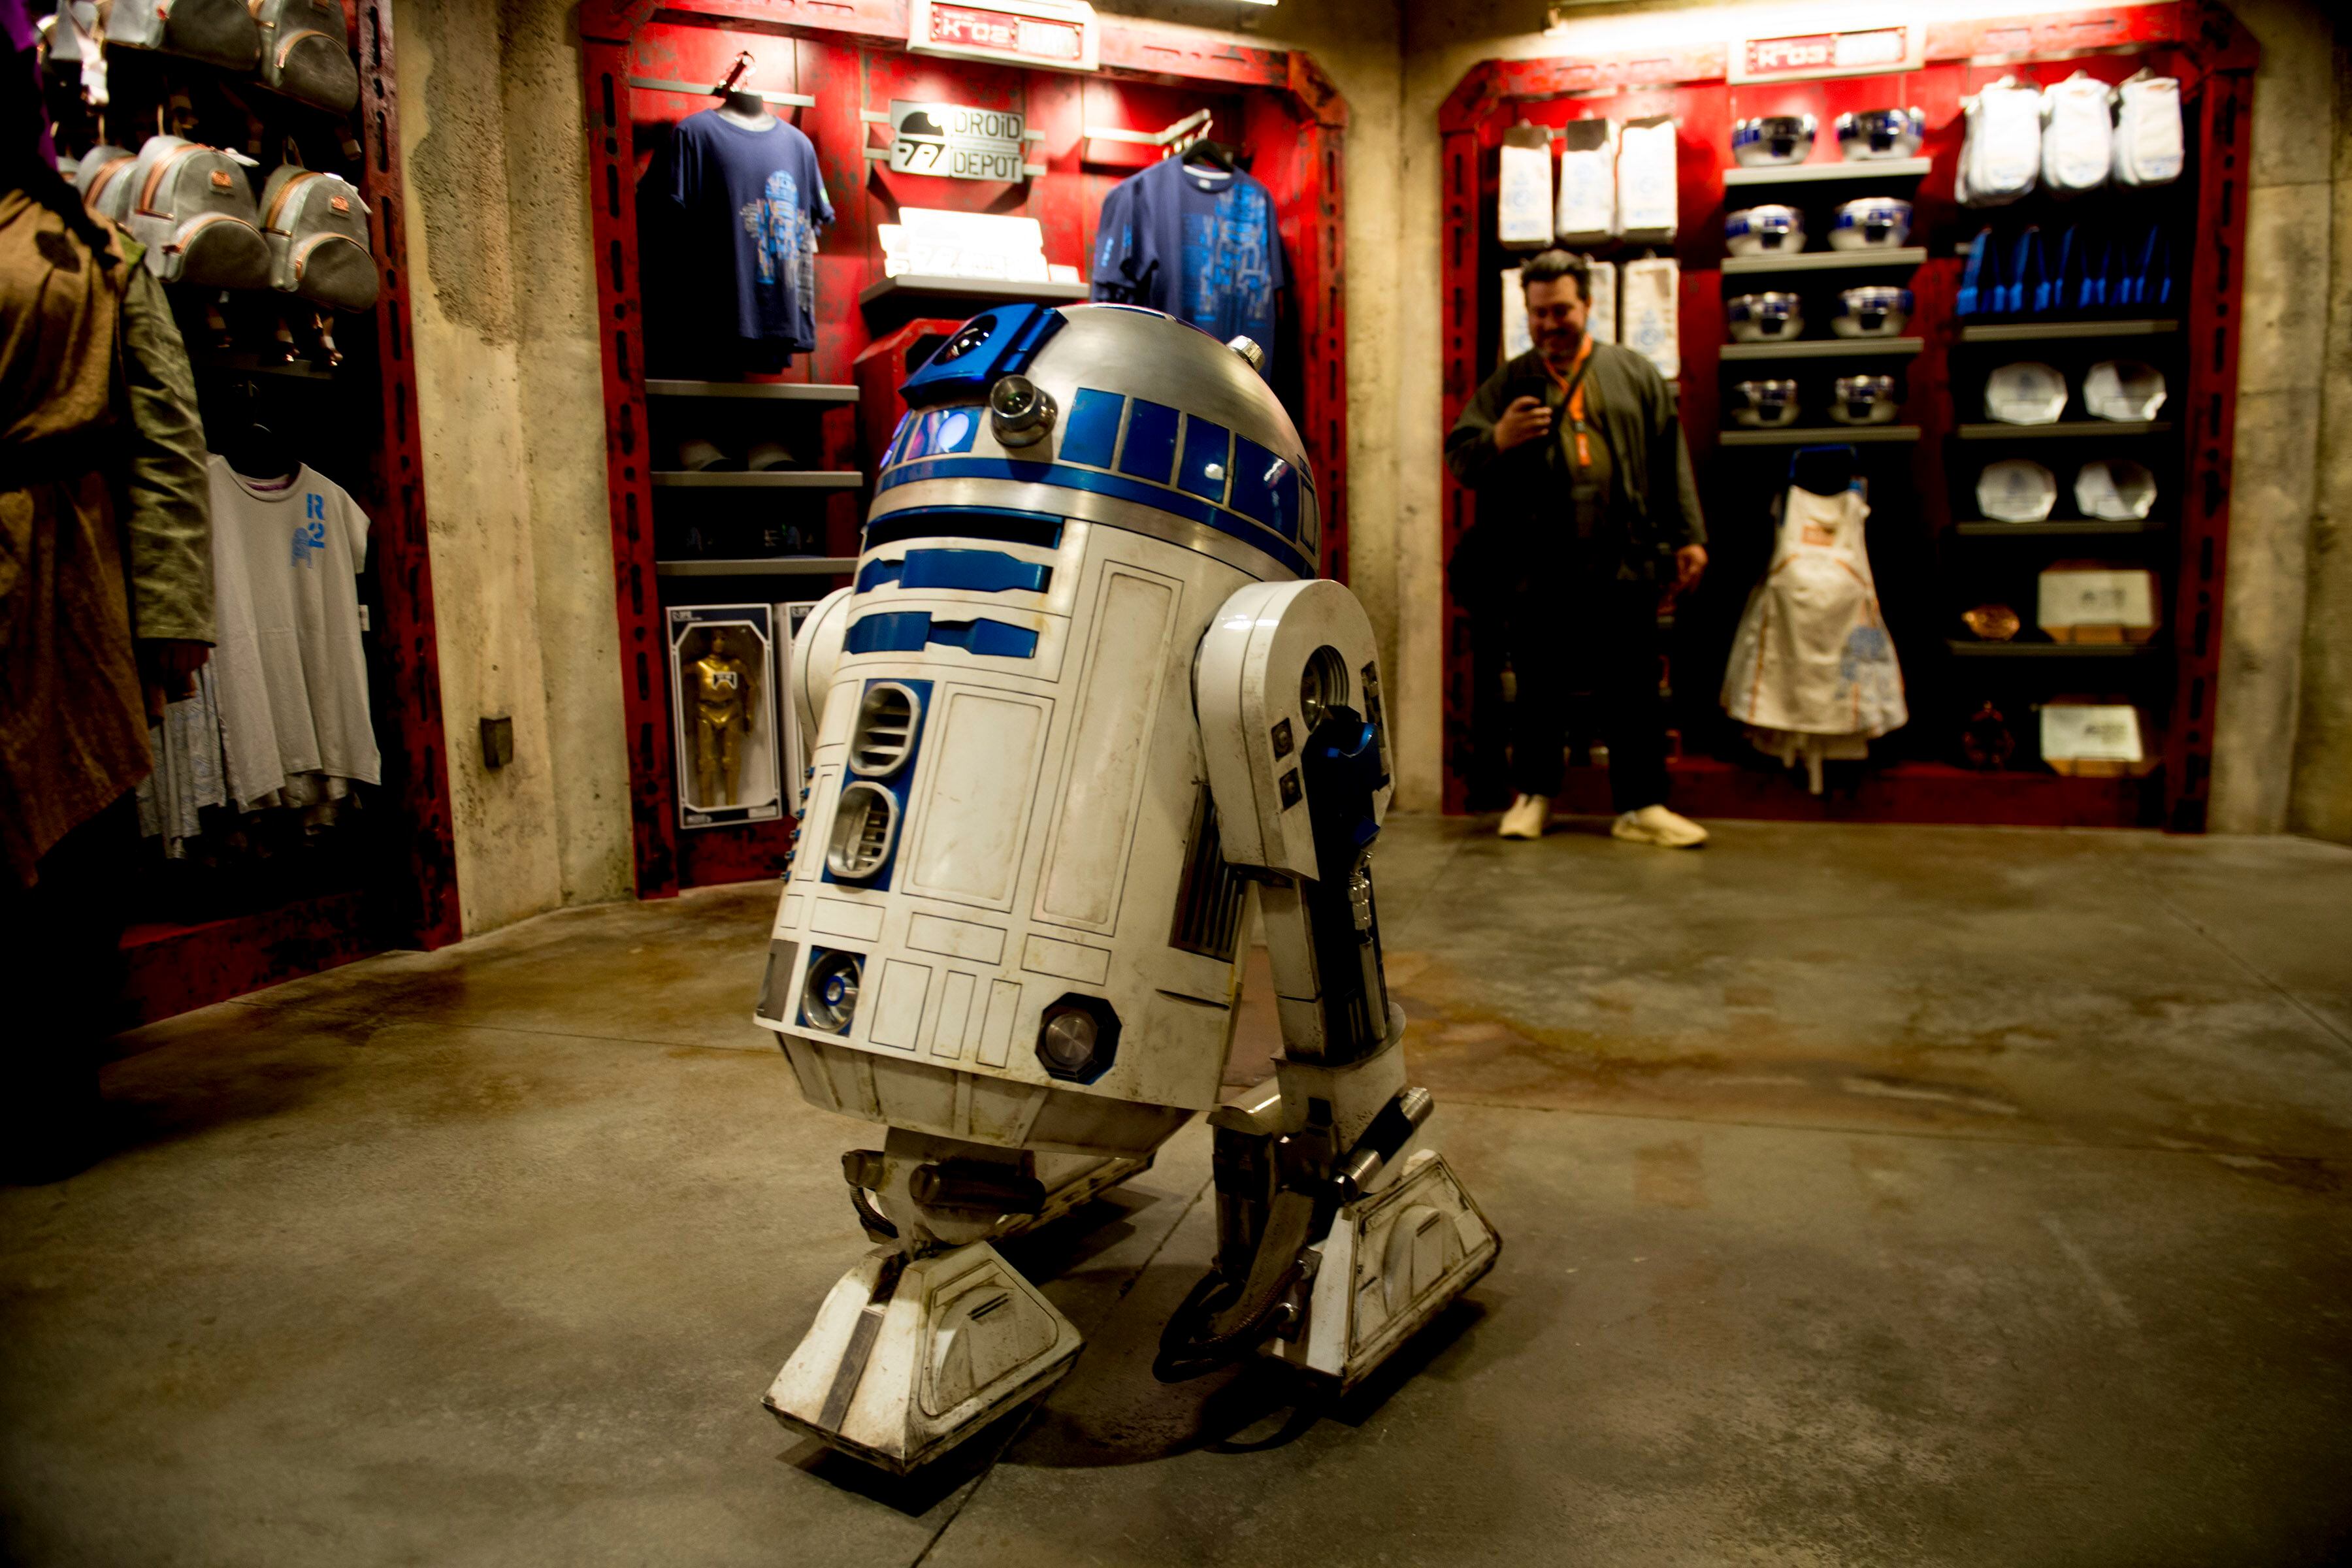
x=1872 y=223
x=1769 y=229
x=2016 y=489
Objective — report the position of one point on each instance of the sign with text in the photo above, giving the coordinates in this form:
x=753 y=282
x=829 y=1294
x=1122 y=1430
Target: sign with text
x=1056 y=33
x=956 y=141
x=1828 y=54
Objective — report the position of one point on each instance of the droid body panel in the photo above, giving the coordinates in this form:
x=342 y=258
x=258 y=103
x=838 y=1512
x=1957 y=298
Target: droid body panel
x=1082 y=696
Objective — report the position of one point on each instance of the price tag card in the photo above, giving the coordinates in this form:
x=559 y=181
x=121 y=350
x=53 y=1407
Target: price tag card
x=2073 y=596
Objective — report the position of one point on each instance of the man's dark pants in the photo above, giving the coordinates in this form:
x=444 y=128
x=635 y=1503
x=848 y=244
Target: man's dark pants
x=1607 y=633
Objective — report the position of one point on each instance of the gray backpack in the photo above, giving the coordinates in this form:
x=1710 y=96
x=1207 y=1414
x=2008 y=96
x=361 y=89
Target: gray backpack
x=316 y=228
x=306 y=54
x=192 y=208
x=221 y=31
x=104 y=182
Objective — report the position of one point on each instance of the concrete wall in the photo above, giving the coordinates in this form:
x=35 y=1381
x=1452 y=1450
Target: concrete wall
x=510 y=409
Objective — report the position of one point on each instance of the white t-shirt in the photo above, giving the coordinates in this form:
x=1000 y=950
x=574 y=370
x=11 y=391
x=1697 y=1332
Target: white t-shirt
x=292 y=679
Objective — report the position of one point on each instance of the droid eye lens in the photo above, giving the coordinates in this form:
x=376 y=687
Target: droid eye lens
x=968 y=339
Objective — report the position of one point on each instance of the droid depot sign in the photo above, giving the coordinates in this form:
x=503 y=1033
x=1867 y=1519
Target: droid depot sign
x=956 y=141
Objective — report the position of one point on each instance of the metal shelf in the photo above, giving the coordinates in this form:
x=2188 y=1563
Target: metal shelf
x=233 y=363
x=1809 y=173
x=1820 y=436
x=775 y=566
x=1825 y=260
x=782 y=391
x=990 y=288
x=1963 y=648
x=2063 y=528
x=1996 y=431
x=1824 y=348
x=778 y=480
x=2045 y=332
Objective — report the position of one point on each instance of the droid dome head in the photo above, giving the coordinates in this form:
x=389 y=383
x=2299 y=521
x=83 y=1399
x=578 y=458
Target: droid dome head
x=1133 y=419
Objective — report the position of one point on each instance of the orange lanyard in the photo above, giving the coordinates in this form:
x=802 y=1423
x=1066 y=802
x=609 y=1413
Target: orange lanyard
x=1574 y=388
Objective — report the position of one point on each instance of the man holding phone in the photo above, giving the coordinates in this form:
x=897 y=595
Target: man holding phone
x=1586 y=506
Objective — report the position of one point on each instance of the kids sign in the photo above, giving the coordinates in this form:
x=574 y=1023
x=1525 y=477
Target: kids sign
x=956 y=141
x=1827 y=54
x=1056 y=33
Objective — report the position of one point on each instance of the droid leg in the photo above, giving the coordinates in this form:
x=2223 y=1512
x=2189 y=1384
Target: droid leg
x=934 y=1334
x=1337 y=1236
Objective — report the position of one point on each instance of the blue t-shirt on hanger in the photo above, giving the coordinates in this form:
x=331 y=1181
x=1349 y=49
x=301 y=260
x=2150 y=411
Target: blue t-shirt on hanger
x=751 y=201
x=1198 y=242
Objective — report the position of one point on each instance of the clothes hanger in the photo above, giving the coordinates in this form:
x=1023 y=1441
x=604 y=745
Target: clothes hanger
x=1214 y=154
x=256 y=451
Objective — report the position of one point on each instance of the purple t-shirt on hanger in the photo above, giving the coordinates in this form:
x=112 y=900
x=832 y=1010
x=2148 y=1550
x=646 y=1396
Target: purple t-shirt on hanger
x=752 y=201
x=1197 y=242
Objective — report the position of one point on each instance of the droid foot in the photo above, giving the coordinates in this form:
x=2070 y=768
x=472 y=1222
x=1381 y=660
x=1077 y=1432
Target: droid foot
x=1390 y=1264
x=908 y=1357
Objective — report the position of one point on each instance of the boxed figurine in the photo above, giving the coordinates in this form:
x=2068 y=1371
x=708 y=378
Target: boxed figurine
x=722 y=698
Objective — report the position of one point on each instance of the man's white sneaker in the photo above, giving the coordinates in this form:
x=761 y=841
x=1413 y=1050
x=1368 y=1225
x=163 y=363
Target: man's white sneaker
x=1527 y=817
x=1653 y=825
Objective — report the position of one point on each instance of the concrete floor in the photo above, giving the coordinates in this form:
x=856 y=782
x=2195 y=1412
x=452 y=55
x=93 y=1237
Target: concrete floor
x=1872 y=1195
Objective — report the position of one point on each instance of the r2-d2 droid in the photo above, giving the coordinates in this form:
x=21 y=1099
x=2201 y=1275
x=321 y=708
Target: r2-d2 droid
x=1082 y=697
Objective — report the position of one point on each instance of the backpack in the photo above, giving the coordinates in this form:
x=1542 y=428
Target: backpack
x=221 y=31
x=104 y=182
x=316 y=228
x=306 y=54
x=2000 y=152
x=2148 y=141
x=193 y=209
x=2077 y=135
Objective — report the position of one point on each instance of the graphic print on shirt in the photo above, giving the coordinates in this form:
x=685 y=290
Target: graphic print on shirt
x=1227 y=273
x=310 y=533
x=776 y=224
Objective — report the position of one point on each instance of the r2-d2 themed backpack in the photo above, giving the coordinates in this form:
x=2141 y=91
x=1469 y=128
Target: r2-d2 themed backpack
x=306 y=54
x=316 y=228
x=221 y=31
x=104 y=182
x=193 y=209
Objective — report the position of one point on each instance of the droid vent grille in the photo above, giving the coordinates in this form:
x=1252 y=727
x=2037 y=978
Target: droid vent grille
x=863 y=826
x=1209 y=899
x=886 y=730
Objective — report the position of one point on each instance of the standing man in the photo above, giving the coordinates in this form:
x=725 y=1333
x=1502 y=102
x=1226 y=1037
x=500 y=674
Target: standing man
x=1585 y=504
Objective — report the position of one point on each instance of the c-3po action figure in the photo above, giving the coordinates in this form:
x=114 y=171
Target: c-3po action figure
x=1084 y=697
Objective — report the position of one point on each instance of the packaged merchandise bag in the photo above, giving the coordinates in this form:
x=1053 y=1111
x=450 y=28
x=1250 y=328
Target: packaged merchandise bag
x=1646 y=195
x=2148 y=138
x=2000 y=151
x=193 y=209
x=1601 y=322
x=306 y=53
x=104 y=180
x=2077 y=137
x=221 y=31
x=1517 y=339
x=1523 y=207
x=316 y=226
x=1588 y=182
x=1980 y=290
x=1648 y=305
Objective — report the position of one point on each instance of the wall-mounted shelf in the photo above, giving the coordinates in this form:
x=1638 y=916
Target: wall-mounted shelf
x=1822 y=435
x=782 y=391
x=1811 y=174
x=1963 y=648
x=2045 y=332
x=779 y=479
x=991 y=290
x=1825 y=260
x=777 y=566
x=1825 y=348
x=2064 y=427
x=254 y=364
x=2062 y=528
